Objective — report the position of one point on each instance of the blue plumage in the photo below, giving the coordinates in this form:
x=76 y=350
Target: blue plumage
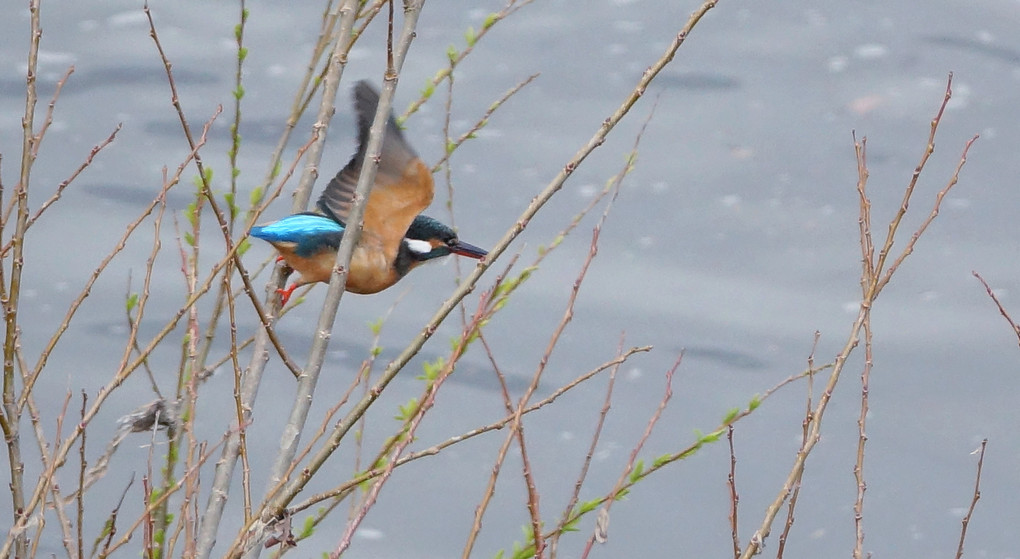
x=398 y=237
x=309 y=232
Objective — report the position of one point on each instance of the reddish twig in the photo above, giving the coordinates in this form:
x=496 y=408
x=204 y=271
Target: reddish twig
x=596 y=435
x=974 y=500
x=601 y=532
x=1002 y=310
x=731 y=482
x=805 y=427
x=495 y=426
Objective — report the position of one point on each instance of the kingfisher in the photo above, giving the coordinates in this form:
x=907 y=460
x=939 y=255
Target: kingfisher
x=396 y=237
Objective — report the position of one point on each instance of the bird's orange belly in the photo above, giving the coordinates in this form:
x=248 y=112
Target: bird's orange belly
x=370 y=270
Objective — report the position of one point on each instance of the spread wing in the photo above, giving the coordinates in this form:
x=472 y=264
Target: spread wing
x=403 y=185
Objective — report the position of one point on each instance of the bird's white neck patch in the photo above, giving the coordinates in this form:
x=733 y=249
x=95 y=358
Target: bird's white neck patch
x=418 y=246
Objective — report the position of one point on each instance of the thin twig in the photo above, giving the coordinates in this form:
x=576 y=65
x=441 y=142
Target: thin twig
x=731 y=483
x=805 y=428
x=583 y=474
x=601 y=533
x=878 y=277
x=495 y=426
x=974 y=500
x=1002 y=310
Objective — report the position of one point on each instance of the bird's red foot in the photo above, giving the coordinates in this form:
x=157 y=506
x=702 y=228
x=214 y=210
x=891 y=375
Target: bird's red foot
x=279 y=258
x=285 y=294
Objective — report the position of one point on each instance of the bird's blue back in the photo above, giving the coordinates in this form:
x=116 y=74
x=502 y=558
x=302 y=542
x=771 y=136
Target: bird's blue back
x=309 y=232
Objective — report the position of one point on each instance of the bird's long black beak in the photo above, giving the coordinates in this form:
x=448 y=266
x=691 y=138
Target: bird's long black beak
x=465 y=249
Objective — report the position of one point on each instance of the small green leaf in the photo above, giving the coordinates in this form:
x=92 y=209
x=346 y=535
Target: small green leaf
x=639 y=468
x=375 y=326
x=189 y=238
x=229 y=199
x=662 y=460
x=132 y=301
x=243 y=246
x=731 y=415
x=490 y=20
x=470 y=36
x=451 y=53
x=710 y=438
x=307 y=527
x=432 y=369
x=239 y=92
x=407 y=410
x=256 y=196
x=755 y=402
x=242 y=53
x=192 y=213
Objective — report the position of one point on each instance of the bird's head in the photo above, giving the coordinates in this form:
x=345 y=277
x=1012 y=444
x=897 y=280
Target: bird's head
x=428 y=238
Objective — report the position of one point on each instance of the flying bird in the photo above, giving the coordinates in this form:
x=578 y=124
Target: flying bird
x=396 y=237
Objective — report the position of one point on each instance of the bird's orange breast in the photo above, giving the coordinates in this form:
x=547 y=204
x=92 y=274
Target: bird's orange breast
x=371 y=269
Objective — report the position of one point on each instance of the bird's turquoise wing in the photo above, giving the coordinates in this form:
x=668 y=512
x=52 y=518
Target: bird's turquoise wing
x=305 y=233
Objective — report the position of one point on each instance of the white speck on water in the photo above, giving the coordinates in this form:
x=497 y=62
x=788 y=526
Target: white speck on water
x=961 y=96
x=930 y=295
x=915 y=532
x=634 y=373
x=566 y=436
x=837 y=64
x=625 y=26
x=871 y=51
x=988 y=133
x=529 y=172
x=359 y=54
x=117 y=329
x=851 y=306
x=372 y=534
x=587 y=190
x=985 y=36
x=87 y=25
x=646 y=241
x=616 y=49
x=276 y=70
x=816 y=18
x=55 y=58
x=958 y=203
x=126 y=19
x=659 y=186
x=730 y=200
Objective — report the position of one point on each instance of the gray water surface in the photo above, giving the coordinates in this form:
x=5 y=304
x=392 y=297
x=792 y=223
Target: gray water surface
x=735 y=238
